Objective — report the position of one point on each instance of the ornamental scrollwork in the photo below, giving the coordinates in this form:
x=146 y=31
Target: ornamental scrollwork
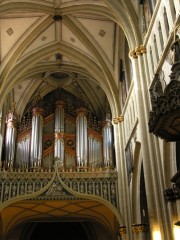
x=118 y=119
x=139 y=228
x=138 y=51
x=63 y=185
x=122 y=231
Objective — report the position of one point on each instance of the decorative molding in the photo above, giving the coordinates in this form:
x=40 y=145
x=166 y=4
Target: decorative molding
x=140 y=228
x=138 y=51
x=62 y=185
x=118 y=119
x=172 y=194
x=165 y=114
x=122 y=231
x=132 y=54
x=102 y=33
x=9 y=31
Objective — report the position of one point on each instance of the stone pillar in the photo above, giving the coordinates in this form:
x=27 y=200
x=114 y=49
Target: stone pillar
x=81 y=137
x=157 y=209
x=59 y=133
x=123 y=187
x=10 y=139
x=122 y=232
x=140 y=231
x=36 y=137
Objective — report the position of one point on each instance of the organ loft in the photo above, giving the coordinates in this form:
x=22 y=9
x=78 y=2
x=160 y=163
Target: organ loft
x=58 y=130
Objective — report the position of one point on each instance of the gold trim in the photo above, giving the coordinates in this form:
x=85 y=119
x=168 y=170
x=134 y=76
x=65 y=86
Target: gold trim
x=133 y=54
x=138 y=51
x=81 y=110
x=59 y=135
x=122 y=231
x=139 y=228
x=37 y=111
x=118 y=119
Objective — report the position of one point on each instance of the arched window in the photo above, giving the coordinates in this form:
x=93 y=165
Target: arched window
x=160 y=36
x=156 y=49
x=125 y=72
x=151 y=58
x=166 y=23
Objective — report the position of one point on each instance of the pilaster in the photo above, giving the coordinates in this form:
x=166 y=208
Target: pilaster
x=122 y=232
x=124 y=193
x=157 y=210
x=140 y=231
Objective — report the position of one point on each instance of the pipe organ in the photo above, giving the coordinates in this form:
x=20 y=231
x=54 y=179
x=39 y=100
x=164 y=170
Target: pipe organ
x=59 y=133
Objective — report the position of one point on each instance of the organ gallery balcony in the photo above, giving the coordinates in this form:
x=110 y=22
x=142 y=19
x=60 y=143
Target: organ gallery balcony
x=59 y=183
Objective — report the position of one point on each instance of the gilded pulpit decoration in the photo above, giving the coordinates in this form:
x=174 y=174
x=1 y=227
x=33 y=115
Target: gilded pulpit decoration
x=118 y=119
x=139 y=228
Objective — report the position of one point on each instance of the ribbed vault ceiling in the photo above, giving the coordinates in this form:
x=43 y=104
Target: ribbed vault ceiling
x=42 y=41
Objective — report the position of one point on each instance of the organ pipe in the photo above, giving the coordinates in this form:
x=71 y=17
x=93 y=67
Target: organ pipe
x=59 y=132
x=36 y=138
x=10 y=139
x=107 y=143
x=81 y=137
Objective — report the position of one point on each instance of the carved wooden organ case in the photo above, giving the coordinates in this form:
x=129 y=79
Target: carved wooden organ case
x=58 y=131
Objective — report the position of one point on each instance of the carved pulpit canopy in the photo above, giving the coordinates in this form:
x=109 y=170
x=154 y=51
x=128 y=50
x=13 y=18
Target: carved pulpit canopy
x=164 y=120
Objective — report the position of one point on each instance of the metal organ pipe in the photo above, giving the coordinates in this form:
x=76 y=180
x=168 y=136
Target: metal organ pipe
x=10 y=140
x=81 y=137
x=36 y=139
x=107 y=143
x=59 y=132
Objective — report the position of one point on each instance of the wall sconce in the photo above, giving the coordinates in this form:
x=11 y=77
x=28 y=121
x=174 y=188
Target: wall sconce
x=177 y=230
x=156 y=235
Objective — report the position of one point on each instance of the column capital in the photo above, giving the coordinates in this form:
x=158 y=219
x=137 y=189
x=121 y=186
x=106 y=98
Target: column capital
x=139 y=228
x=37 y=111
x=118 y=119
x=138 y=51
x=122 y=230
x=81 y=110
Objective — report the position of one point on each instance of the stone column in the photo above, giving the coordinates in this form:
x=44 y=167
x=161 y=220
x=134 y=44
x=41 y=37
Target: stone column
x=36 y=137
x=123 y=188
x=122 y=232
x=158 y=213
x=140 y=231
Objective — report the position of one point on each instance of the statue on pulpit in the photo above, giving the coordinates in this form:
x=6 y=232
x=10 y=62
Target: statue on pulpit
x=176 y=49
